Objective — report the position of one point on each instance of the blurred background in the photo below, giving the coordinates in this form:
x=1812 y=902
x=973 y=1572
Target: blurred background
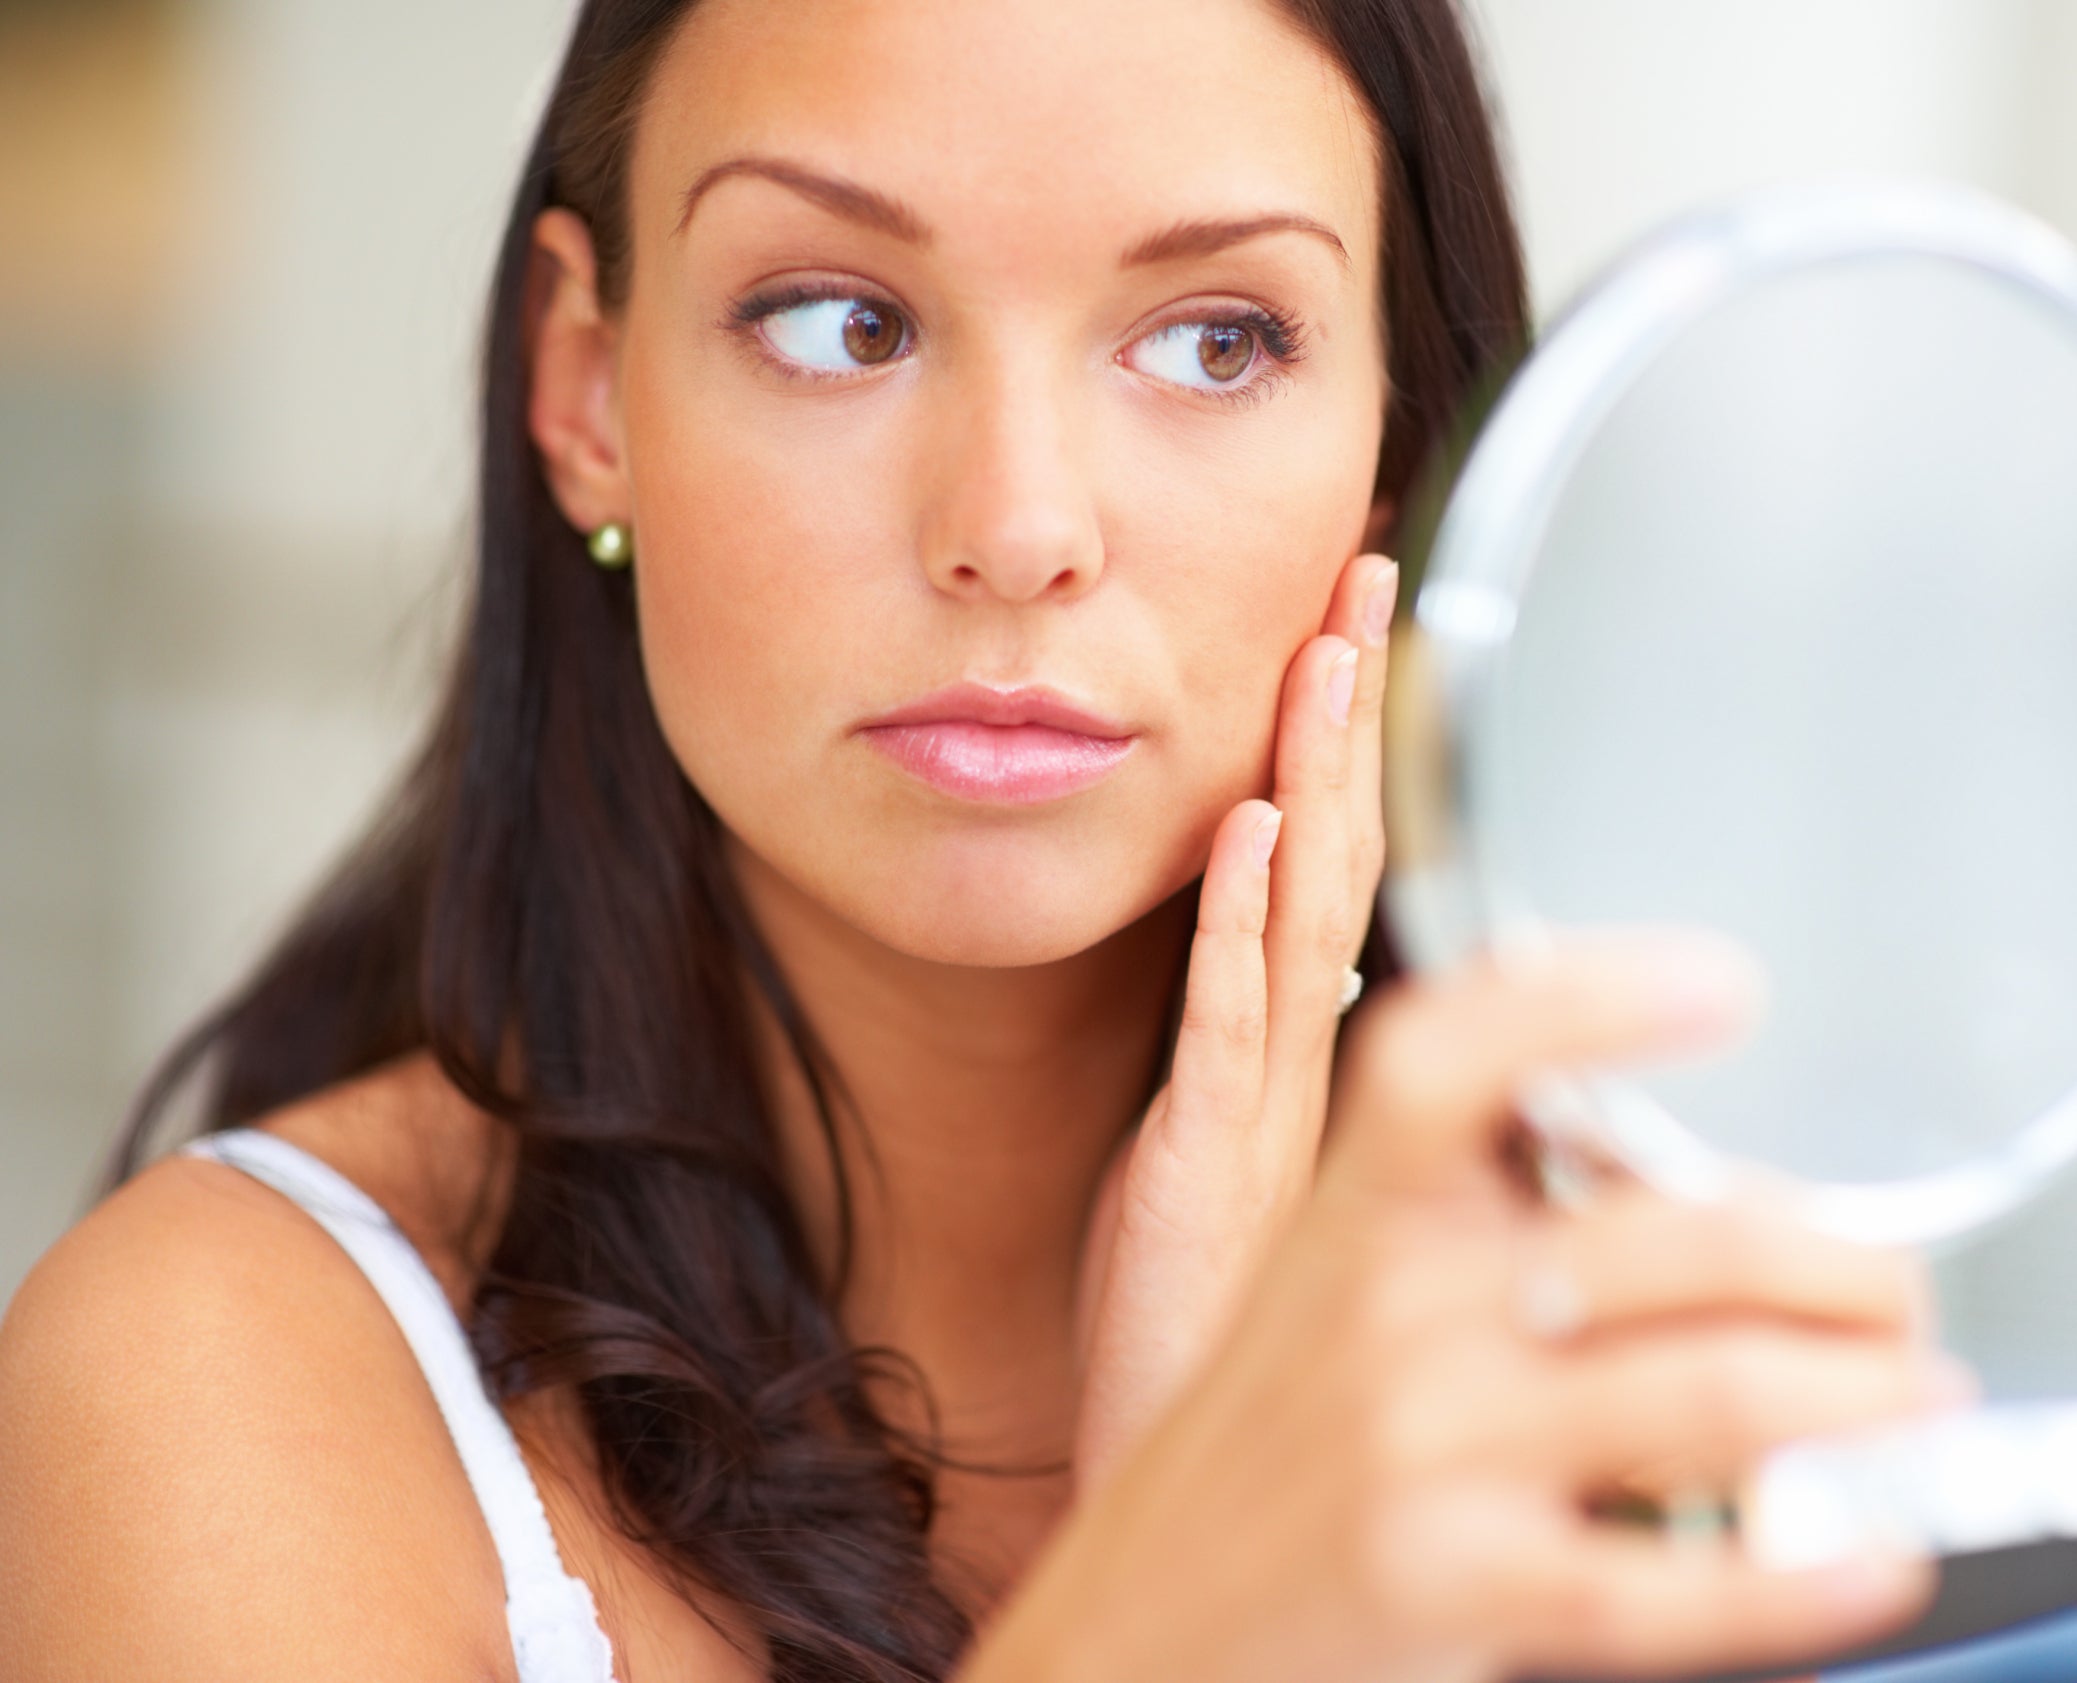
x=243 y=245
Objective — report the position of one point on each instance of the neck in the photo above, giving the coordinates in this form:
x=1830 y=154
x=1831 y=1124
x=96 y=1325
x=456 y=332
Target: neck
x=978 y=1113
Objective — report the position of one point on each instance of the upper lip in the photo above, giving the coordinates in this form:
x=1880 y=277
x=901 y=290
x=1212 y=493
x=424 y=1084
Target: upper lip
x=976 y=703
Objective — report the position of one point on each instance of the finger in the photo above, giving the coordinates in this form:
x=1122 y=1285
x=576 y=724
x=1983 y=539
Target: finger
x=1635 y=1256
x=1428 y=1077
x=1362 y=612
x=1217 y=1072
x=1615 y=1605
x=1314 y=932
x=1702 y=1406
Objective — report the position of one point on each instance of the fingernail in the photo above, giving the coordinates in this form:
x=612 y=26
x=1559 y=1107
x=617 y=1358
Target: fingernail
x=1876 y=1580
x=1341 y=686
x=1922 y=1314
x=1266 y=833
x=1701 y=981
x=1377 y=612
x=1951 y=1382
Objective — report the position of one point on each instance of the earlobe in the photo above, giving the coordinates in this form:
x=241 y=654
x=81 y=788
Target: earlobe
x=573 y=404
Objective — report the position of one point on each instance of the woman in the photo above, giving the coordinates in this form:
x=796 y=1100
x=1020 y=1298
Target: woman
x=848 y=1006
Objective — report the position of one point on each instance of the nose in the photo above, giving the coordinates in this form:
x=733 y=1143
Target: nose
x=1013 y=515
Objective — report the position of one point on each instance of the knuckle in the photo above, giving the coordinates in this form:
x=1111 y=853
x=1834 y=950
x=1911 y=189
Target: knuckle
x=1253 y=922
x=1417 y=1567
x=1387 y=1554
x=1897 y=1382
x=1635 y=1218
x=1405 y=1063
x=1914 y=1292
x=1483 y=971
x=1741 y=1252
x=1587 y=1607
x=1737 y=1392
x=1437 y=1564
x=1247 y=920
x=1388 y=1309
x=1439 y=1421
x=1336 y=932
x=1403 y=1440
x=1242 y=1023
x=1370 y=860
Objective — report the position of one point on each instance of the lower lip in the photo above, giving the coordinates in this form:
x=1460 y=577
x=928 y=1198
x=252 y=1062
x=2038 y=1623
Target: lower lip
x=1009 y=765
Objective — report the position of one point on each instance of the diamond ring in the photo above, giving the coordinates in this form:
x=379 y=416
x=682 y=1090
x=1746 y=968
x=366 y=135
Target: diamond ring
x=1351 y=989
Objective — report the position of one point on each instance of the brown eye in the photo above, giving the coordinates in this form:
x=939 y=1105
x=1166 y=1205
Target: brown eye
x=1226 y=353
x=872 y=333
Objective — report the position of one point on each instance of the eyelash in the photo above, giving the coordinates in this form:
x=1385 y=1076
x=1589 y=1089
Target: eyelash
x=1279 y=334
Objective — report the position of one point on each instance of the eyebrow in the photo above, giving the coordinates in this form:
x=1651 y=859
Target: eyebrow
x=835 y=195
x=886 y=215
x=1203 y=239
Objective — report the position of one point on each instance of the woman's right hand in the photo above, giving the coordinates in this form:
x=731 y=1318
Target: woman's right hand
x=1386 y=1469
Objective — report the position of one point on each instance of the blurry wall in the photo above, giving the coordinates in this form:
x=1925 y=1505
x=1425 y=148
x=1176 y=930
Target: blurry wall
x=1623 y=112
x=246 y=242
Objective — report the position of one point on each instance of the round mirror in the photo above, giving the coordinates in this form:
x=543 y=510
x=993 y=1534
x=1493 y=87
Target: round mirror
x=1755 y=605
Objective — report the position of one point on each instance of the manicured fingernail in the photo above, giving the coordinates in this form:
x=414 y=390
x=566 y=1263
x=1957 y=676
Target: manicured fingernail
x=1341 y=686
x=1924 y=1322
x=1705 y=982
x=1873 y=1581
x=1377 y=612
x=1951 y=1382
x=1266 y=833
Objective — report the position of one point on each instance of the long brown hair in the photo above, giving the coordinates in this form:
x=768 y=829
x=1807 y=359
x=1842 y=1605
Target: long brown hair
x=545 y=908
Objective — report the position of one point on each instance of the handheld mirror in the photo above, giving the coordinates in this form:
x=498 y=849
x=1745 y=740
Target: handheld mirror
x=1755 y=605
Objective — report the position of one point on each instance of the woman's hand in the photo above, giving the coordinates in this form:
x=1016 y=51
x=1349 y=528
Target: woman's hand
x=1390 y=1465
x=1225 y=1155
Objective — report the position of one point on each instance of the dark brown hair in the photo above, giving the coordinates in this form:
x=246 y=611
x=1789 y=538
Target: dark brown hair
x=546 y=909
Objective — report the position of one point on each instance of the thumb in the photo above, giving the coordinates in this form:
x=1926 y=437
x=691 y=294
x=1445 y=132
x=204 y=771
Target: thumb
x=1427 y=1082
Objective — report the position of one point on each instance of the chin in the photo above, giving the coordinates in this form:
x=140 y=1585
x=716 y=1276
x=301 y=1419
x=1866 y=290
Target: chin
x=983 y=894
x=1004 y=937
x=987 y=899
x=1000 y=918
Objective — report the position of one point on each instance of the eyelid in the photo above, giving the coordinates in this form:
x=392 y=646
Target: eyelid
x=771 y=297
x=745 y=317
x=1279 y=335
x=1283 y=333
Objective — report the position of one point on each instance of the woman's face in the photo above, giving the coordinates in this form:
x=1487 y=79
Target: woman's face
x=1023 y=345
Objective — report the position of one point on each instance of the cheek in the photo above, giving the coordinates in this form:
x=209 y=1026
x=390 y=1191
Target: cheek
x=757 y=569
x=1237 y=543
x=781 y=597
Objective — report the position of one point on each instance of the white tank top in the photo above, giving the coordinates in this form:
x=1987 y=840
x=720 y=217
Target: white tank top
x=554 y=1622
x=555 y=1630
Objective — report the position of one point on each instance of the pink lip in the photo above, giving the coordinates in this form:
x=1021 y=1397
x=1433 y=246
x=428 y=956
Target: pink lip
x=1011 y=748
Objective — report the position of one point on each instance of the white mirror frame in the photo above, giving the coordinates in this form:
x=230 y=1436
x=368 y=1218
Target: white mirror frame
x=1444 y=892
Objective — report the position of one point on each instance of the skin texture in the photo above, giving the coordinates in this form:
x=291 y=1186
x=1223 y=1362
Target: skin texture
x=1018 y=501
x=1287 y=1291
x=1009 y=503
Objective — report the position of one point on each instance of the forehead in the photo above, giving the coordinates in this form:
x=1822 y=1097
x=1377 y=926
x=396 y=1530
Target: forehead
x=1027 y=122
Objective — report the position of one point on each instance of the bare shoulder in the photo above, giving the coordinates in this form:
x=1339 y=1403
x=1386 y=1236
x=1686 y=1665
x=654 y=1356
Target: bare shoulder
x=218 y=1458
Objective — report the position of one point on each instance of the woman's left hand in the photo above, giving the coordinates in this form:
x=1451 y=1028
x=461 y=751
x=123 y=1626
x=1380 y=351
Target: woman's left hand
x=1225 y=1155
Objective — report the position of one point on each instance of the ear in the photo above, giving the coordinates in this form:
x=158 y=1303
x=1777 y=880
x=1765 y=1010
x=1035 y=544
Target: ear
x=573 y=408
x=1377 y=530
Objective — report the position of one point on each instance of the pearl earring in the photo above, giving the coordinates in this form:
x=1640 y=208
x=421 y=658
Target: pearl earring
x=612 y=546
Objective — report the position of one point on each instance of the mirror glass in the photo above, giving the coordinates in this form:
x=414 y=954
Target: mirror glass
x=1756 y=606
